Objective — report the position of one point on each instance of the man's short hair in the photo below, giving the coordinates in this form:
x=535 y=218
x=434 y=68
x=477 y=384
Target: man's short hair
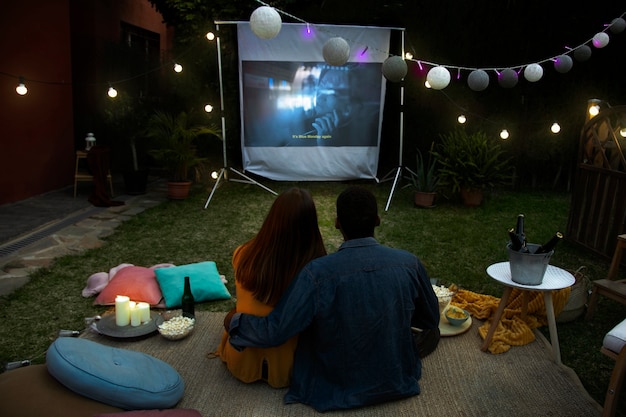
x=357 y=212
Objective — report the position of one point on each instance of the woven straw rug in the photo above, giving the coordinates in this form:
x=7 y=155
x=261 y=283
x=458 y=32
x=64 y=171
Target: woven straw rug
x=458 y=380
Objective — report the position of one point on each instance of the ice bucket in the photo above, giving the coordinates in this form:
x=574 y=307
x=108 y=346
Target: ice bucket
x=528 y=268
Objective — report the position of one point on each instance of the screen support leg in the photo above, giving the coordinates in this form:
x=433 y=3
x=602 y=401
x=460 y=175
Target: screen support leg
x=247 y=180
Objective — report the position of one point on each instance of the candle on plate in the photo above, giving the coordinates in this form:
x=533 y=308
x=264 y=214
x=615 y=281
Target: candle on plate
x=135 y=315
x=122 y=310
x=144 y=309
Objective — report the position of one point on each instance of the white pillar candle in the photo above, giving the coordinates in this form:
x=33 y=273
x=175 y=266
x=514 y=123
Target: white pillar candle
x=122 y=310
x=144 y=309
x=135 y=315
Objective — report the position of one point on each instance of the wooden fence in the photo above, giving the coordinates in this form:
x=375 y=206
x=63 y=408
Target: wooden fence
x=598 y=210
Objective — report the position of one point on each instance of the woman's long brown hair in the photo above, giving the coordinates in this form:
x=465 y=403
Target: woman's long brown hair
x=288 y=239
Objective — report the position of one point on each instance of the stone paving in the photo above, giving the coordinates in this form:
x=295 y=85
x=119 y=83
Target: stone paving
x=85 y=233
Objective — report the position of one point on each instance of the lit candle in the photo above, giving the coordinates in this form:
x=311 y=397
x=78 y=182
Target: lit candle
x=122 y=310
x=144 y=309
x=135 y=315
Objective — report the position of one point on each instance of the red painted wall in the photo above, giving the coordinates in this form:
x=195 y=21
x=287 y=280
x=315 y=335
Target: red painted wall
x=54 y=45
x=36 y=130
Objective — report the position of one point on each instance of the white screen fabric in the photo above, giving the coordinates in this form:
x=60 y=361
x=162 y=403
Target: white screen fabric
x=303 y=119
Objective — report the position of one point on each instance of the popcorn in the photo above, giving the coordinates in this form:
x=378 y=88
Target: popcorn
x=176 y=326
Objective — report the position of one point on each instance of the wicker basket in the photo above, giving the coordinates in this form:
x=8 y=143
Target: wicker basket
x=577 y=301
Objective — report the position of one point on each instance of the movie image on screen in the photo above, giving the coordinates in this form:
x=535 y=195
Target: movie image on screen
x=287 y=104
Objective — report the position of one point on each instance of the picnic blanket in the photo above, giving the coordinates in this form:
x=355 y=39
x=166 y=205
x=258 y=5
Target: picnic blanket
x=512 y=329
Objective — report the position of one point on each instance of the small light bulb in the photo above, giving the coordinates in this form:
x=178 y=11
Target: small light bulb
x=555 y=128
x=208 y=108
x=622 y=132
x=504 y=134
x=214 y=175
x=21 y=89
x=210 y=36
x=427 y=84
x=462 y=119
x=178 y=68
x=594 y=110
x=408 y=55
x=112 y=92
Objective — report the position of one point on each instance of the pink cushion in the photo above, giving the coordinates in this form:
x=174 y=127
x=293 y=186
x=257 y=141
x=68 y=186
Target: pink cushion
x=137 y=282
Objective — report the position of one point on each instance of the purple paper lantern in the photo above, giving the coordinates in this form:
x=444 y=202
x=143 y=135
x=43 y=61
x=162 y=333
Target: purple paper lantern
x=507 y=78
x=478 y=80
x=600 y=40
x=582 y=53
x=563 y=63
x=395 y=69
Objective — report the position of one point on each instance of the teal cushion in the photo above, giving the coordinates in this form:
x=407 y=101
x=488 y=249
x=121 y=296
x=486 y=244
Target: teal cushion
x=206 y=283
x=122 y=378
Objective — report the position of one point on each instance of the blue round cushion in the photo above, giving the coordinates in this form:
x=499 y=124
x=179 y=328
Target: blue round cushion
x=119 y=377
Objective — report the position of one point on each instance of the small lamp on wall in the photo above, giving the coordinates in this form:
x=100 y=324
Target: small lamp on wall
x=90 y=141
x=593 y=108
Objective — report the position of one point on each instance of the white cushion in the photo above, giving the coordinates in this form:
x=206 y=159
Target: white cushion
x=616 y=338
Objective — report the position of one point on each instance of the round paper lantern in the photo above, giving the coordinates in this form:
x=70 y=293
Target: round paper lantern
x=563 y=63
x=265 y=22
x=478 y=80
x=582 y=53
x=600 y=40
x=336 y=51
x=617 y=25
x=394 y=69
x=533 y=72
x=508 y=78
x=438 y=77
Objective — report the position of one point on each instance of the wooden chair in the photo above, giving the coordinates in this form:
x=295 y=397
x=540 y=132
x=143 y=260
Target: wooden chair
x=614 y=347
x=81 y=173
x=609 y=287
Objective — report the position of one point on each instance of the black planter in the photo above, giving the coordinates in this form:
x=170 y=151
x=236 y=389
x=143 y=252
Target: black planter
x=135 y=182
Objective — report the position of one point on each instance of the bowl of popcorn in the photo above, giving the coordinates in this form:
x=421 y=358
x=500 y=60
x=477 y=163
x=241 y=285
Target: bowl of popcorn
x=444 y=294
x=176 y=328
x=456 y=316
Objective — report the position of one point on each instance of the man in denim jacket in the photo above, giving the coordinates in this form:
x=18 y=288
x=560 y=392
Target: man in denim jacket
x=354 y=310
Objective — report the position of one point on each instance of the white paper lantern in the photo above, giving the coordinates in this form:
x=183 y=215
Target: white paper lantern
x=533 y=72
x=600 y=40
x=508 y=78
x=265 y=22
x=582 y=53
x=438 y=77
x=395 y=69
x=617 y=26
x=563 y=63
x=336 y=51
x=478 y=80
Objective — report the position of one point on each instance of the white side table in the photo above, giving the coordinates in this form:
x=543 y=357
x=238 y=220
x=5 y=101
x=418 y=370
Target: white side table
x=554 y=279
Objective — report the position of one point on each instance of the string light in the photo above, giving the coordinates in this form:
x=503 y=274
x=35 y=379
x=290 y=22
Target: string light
x=208 y=108
x=555 y=128
x=210 y=36
x=504 y=134
x=21 y=88
x=178 y=68
x=462 y=119
x=112 y=92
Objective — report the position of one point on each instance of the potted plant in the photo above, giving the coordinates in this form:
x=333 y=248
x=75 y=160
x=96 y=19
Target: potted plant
x=174 y=140
x=471 y=163
x=425 y=180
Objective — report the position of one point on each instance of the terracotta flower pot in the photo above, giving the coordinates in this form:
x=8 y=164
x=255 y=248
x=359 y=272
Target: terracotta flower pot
x=471 y=197
x=178 y=190
x=424 y=199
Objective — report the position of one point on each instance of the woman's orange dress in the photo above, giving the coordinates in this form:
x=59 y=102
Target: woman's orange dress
x=247 y=365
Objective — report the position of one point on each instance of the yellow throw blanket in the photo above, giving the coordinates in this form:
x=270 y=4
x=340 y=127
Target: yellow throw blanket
x=512 y=330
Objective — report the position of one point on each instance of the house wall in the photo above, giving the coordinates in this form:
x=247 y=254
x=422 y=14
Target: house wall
x=57 y=46
x=36 y=130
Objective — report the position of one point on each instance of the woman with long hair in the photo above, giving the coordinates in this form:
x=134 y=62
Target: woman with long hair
x=264 y=267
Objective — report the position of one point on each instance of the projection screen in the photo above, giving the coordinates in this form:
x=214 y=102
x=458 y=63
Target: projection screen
x=303 y=119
